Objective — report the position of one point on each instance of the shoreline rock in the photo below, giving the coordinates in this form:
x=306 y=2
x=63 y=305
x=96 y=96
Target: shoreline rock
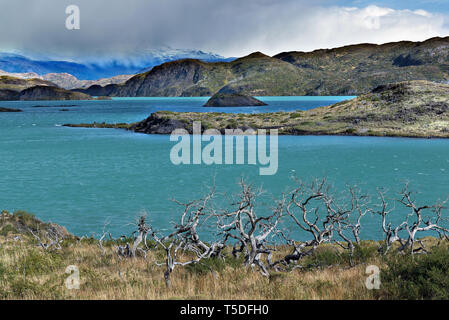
x=233 y=100
x=9 y=110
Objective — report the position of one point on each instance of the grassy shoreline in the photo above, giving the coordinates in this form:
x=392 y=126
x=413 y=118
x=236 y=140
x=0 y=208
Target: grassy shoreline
x=414 y=109
x=28 y=271
x=232 y=121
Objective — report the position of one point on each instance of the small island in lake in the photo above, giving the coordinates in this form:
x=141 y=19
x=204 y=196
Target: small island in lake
x=9 y=110
x=233 y=100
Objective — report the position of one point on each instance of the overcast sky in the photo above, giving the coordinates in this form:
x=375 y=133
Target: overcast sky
x=227 y=27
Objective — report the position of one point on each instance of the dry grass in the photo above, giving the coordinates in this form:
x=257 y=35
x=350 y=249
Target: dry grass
x=29 y=272
x=405 y=109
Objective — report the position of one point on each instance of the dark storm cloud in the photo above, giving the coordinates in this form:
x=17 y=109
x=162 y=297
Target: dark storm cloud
x=231 y=27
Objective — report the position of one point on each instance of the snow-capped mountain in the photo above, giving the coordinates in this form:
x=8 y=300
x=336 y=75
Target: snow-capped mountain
x=92 y=68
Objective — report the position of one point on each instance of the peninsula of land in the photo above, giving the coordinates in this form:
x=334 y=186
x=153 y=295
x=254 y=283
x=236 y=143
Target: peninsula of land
x=404 y=109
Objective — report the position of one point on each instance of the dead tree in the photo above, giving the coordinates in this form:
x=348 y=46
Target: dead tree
x=347 y=219
x=129 y=251
x=183 y=246
x=50 y=238
x=198 y=214
x=391 y=234
x=415 y=221
x=123 y=251
x=103 y=236
x=308 y=210
x=249 y=230
x=142 y=230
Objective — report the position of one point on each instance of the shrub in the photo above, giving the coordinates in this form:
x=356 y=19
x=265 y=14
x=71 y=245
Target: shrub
x=351 y=130
x=295 y=115
x=215 y=264
x=206 y=125
x=26 y=219
x=323 y=257
x=417 y=277
x=38 y=262
x=365 y=251
x=207 y=265
x=2 y=270
x=232 y=124
x=22 y=288
x=7 y=230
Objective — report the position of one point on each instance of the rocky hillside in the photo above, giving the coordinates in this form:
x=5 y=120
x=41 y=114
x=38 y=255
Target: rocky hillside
x=197 y=78
x=11 y=87
x=67 y=81
x=22 y=225
x=35 y=89
x=406 y=109
x=350 y=70
x=410 y=108
x=51 y=93
x=24 y=75
x=17 y=84
x=8 y=95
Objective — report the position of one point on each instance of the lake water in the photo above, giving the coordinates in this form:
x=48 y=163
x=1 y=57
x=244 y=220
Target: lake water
x=82 y=178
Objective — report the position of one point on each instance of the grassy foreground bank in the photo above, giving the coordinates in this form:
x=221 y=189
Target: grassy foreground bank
x=28 y=270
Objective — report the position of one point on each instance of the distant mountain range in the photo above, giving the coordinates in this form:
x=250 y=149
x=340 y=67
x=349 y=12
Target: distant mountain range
x=93 y=69
x=66 y=80
x=349 y=70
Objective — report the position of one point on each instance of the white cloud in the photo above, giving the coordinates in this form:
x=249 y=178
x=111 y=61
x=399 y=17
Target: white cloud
x=422 y=13
x=337 y=26
x=231 y=28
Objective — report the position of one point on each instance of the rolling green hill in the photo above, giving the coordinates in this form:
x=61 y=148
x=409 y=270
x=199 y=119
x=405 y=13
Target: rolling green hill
x=350 y=70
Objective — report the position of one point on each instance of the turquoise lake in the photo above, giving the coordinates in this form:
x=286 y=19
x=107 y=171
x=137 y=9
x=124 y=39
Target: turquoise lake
x=83 y=178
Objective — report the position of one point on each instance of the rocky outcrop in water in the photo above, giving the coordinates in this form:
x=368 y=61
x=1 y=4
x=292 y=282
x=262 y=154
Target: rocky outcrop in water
x=157 y=123
x=9 y=110
x=233 y=100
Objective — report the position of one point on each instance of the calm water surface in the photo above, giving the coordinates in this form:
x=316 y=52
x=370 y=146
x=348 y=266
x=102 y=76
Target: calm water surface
x=83 y=178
